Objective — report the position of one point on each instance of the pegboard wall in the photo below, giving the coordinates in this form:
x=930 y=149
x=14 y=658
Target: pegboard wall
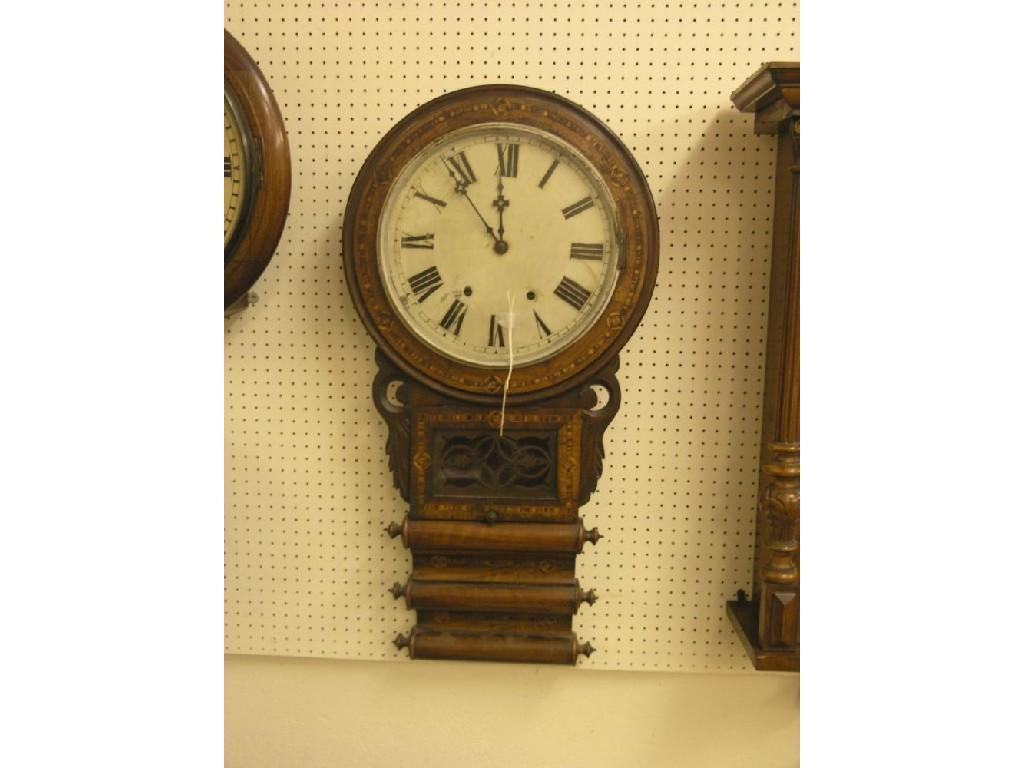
x=307 y=490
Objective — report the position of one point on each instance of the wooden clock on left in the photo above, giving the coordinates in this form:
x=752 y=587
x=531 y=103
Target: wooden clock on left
x=257 y=173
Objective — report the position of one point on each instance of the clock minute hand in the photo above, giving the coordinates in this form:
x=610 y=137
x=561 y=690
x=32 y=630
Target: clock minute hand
x=490 y=231
x=461 y=189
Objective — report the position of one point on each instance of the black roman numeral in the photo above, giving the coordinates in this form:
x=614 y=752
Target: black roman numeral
x=578 y=207
x=547 y=174
x=587 y=251
x=497 y=336
x=429 y=199
x=508 y=160
x=425 y=283
x=458 y=165
x=572 y=293
x=452 y=320
x=227 y=167
x=542 y=327
x=418 y=241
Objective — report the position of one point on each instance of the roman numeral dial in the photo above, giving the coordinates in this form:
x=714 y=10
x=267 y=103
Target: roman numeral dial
x=452 y=320
x=542 y=327
x=572 y=293
x=498 y=242
x=497 y=335
x=508 y=160
x=548 y=173
x=234 y=173
x=460 y=169
x=418 y=241
x=578 y=207
x=439 y=204
x=587 y=251
x=423 y=284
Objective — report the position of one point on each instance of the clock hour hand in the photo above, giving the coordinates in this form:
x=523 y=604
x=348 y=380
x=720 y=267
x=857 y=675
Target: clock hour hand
x=501 y=203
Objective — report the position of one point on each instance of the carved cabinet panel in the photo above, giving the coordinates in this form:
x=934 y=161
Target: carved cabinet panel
x=493 y=523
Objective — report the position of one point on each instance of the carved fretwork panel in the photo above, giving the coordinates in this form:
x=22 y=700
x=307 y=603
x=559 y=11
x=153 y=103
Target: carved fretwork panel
x=493 y=523
x=570 y=427
x=488 y=465
x=463 y=469
x=386 y=390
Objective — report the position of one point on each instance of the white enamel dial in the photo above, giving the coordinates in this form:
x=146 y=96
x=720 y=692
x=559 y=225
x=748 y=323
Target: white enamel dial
x=498 y=239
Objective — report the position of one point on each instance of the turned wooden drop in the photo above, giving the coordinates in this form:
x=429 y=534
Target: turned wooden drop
x=562 y=648
x=554 y=599
x=460 y=536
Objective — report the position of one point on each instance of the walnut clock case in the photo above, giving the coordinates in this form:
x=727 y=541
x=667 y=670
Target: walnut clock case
x=257 y=172
x=500 y=245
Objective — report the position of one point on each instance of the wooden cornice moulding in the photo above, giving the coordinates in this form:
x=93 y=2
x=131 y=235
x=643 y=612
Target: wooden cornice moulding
x=772 y=94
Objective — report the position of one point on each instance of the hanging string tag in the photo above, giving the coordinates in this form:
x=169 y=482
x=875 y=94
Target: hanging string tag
x=511 y=360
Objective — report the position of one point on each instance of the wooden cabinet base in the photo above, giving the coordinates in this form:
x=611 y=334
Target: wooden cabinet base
x=743 y=615
x=493 y=524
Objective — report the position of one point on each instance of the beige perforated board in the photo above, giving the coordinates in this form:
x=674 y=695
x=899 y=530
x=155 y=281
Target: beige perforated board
x=307 y=490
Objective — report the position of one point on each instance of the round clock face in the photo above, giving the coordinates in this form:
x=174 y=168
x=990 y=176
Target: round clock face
x=235 y=172
x=257 y=172
x=498 y=241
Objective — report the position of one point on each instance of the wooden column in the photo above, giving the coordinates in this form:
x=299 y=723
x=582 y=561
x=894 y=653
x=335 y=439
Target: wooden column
x=769 y=622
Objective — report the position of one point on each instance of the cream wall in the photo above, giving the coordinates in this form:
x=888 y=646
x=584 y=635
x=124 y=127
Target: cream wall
x=304 y=713
x=308 y=492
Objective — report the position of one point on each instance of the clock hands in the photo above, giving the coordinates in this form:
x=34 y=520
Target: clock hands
x=490 y=231
x=501 y=203
x=462 y=181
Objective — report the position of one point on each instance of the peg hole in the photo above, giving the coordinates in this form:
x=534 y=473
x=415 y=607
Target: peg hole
x=603 y=397
x=391 y=393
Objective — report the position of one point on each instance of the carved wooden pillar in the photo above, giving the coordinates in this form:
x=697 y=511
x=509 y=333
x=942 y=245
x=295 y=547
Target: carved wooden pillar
x=769 y=623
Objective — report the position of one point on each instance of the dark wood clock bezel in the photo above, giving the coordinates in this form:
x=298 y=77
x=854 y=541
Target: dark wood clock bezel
x=637 y=231
x=271 y=178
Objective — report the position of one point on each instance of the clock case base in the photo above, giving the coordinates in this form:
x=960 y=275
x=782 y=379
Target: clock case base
x=493 y=523
x=744 y=617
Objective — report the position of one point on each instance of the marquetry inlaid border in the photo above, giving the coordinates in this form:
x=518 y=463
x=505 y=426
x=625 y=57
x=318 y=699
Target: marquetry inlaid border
x=636 y=222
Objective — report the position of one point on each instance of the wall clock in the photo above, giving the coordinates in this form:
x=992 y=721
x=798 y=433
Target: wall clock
x=500 y=245
x=257 y=172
